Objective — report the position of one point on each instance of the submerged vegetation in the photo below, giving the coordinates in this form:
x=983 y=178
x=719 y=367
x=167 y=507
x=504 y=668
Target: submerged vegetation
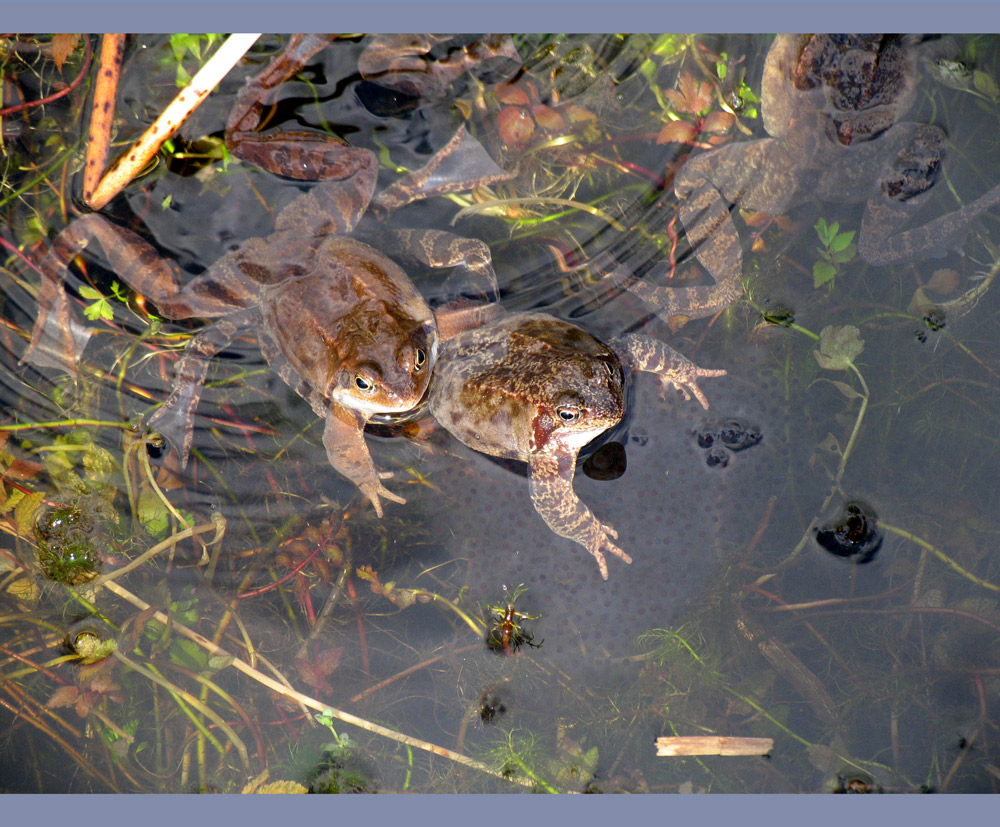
x=247 y=623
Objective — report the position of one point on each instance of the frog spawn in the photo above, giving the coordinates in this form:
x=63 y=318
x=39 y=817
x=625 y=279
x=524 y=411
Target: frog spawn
x=675 y=516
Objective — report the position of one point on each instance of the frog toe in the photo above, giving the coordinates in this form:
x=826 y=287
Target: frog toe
x=376 y=492
x=602 y=544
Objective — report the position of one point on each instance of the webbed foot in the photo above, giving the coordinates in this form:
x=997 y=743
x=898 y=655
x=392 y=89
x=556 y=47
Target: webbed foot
x=374 y=490
x=596 y=538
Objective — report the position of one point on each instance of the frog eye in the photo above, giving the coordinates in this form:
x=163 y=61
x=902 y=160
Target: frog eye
x=568 y=413
x=363 y=384
x=420 y=359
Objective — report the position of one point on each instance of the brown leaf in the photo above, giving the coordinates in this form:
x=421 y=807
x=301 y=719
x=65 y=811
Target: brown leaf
x=312 y=675
x=676 y=132
x=22 y=469
x=85 y=703
x=329 y=660
x=64 y=696
x=942 y=281
x=62 y=47
x=690 y=96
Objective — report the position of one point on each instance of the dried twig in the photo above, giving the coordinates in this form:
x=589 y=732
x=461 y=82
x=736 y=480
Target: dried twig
x=142 y=151
x=672 y=745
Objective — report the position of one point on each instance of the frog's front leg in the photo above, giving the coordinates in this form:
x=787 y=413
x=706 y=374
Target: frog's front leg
x=652 y=356
x=551 y=478
x=343 y=431
x=343 y=438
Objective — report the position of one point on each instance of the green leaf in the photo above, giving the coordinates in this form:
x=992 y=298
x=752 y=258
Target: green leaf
x=985 y=84
x=845 y=255
x=152 y=513
x=189 y=654
x=100 y=309
x=823 y=232
x=841 y=241
x=217 y=662
x=846 y=390
x=839 y=347
x=90 y=293
x=823 y=272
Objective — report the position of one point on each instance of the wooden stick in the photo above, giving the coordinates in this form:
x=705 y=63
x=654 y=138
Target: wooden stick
x=142 y=151
x=712 y=745
x=102 y=114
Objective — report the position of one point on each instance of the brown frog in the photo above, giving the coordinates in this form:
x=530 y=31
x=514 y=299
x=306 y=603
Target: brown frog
x=339 y=320
x=533 y=388
x=832 y=105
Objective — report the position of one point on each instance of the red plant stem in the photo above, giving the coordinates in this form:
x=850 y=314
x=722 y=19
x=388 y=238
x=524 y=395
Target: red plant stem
x=47 y=672
x=362 y=640
x=285 y=579
x=10 y=110
x=27 y=261
x=307 y=598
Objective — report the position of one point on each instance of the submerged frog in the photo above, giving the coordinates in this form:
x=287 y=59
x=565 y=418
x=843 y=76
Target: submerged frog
x=832 y=105
x=533 y=388
x=338 y=320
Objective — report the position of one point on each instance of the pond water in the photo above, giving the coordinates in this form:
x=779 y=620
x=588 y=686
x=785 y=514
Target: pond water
x=813 y=558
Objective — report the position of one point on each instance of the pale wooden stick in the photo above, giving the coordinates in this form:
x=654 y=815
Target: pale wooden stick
x=712 y=745
x=133 y=161
x=102 y=114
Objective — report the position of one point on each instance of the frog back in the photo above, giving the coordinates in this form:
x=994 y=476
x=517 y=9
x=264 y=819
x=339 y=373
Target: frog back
x=352 y=325
x=525 y=385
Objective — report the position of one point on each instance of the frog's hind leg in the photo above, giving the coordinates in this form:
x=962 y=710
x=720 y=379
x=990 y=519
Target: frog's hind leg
x=705 y=213
x=470 y=292
x=902 y=191
x=57 y=339
x=175 y=418
x=458 y=166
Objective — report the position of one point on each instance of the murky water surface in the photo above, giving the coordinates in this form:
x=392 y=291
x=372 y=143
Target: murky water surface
x=459 y=620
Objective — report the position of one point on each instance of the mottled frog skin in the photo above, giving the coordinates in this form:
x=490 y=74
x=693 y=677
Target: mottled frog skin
x=533 y=388
x=337 y=319
x=832 y=105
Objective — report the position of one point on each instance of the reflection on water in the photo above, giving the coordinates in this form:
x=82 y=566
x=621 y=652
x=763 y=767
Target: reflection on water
x=871 y=671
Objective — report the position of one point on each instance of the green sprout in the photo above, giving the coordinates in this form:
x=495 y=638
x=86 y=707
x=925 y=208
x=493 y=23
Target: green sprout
x=838 y=249
x=100 y=307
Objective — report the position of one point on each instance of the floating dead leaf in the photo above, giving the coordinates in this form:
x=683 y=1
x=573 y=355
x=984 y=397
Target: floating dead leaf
x=63 y=45
x=718 y=123
x=24 y=589
x=944 y=280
